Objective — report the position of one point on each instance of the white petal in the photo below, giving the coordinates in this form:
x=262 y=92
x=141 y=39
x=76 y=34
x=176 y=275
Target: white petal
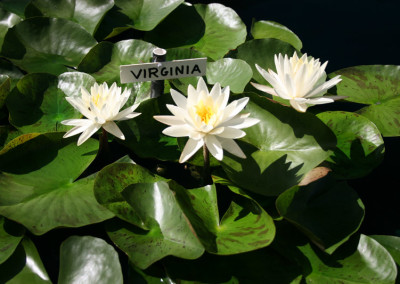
x=248 y=122
x=216 y=91
x=169 y=119
x=129 y=116
x=217 y=130
x=75 y=130
x=302 y=107
x=201 y=86
x=321 y=89
x=113 y=128
x=232 y=133
x=178 y=131
x=264 y=88
x=191 y=147
x=77 y=122
x=214 y=146
x=177 y=111
x=319 y=101
x=121 y=115
x=234 y=108
x=88 y=132
x=233 y=148
x=179 y=99
x=192 y=96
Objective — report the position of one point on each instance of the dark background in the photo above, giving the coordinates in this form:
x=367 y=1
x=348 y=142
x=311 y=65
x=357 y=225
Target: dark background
x=347 y=33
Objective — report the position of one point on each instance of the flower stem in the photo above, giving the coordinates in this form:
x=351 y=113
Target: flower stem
x=206 y=169
x=104 y=149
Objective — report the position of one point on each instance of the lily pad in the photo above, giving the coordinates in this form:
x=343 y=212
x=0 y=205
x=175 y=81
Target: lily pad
x=391 y=244
x=24 y=266
x=10 y=70
x=280 y=149
x=88 y=260
x=234 y=73
x=270 y=29
x=184 y=18
x=37 y=183
x=360 y=146
x=378 y=87
x=326 y=211
x=103 y=63
x=38 y=103
x=146 y=14
x=245 y=226
x=87 y=13
x=10 y=236
x=224 y=30
x=261 y=52
x=49 y=45
x=5 y=84
x=169 y=232
x=7 y=20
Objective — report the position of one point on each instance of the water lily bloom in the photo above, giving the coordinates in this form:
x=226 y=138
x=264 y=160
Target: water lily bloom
x=101 y=107
x=299 y=80
x=207 y=118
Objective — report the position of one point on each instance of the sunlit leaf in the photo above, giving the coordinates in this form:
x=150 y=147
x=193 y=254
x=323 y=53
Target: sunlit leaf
x=280 y=149
x=5 y=84
x=224 y=30
x=88 y=260
x=270 y=29
x=37 y=187
x=7 y=20
x=24 y=266
x=378 y=87
x=391 y=244
x=360 y=146
x=234 y=73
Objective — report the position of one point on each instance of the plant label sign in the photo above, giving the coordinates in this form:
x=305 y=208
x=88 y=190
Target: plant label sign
x=163 y=70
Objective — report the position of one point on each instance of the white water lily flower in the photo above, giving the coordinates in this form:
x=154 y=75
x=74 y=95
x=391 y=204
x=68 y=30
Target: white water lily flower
x=299 y=80
x=206 y=118
x=101 y=107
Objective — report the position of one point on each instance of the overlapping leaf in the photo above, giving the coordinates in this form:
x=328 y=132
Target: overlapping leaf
x=326 y=211
x=38 y=103
x=270 y=29
x=37 y=183
x=49 y=45
x=360 y=145
x=24 y=266
x=10 y=236
x=283 y=147
x=88 y=260
x=7 y=20
x=376 y=86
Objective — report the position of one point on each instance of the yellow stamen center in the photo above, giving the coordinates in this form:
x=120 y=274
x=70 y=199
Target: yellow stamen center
x=204 y=112
x=95 y=99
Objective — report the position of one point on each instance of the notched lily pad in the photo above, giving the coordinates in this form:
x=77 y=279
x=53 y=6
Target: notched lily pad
x=378 y=87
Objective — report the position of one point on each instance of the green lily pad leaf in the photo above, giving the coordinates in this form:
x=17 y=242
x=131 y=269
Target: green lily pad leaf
x=37 y=187
x=104 y=60
x=368 y=262
x=7 y=133
x=24 y=266
x=378 y=87
x=16 y=7
x=169 y=232
x=270 y=29
x=48 y=45
x=280 y=149
x=146 y=14
x=234 y=73
x=360 y=146
x=245 y=226
x=7 y=20
x=184 y=19
x=38 y=103
x=182 y=84
x=5 y=84
x=87 y=13
x=88 y=260
x=259 y=266
x=326 y=211
x=112 y=180
x=10 y=70
x=391 y=244
x=143 y=135
x=224 y=30
x=10 y=236
x=261 y=52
